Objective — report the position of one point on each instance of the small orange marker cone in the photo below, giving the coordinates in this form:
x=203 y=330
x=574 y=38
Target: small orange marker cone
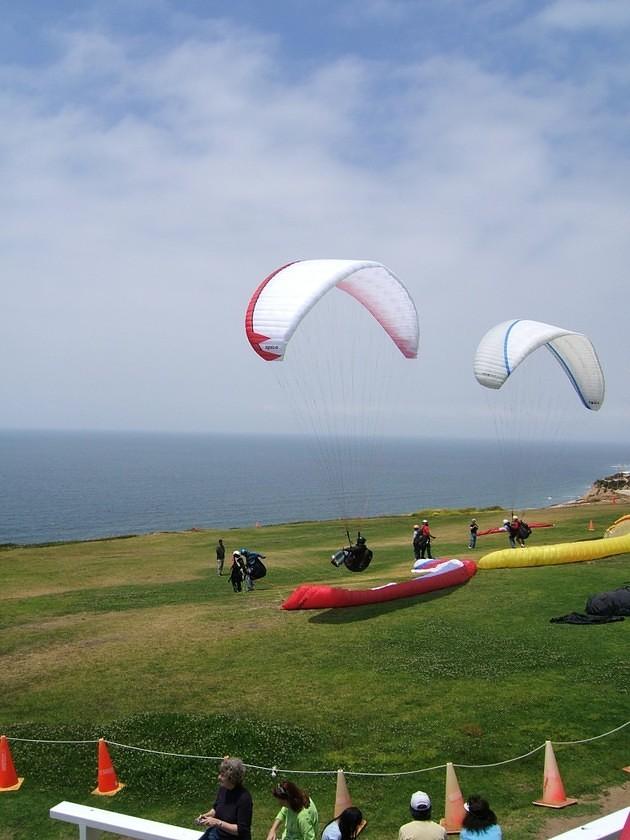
x=591 y=527
x=553 y=789
x=108 y=784
x=454 y=811
x=8 y=777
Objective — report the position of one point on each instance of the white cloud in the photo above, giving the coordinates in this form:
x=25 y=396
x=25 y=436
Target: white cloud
x=574 y=15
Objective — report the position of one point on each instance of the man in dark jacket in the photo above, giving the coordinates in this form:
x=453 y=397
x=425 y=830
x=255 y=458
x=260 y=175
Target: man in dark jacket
x=417 y=541
x=220 y=549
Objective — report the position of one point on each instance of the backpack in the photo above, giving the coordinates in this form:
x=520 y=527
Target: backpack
x=615 y=602
x=257 y=569
x=524 y=530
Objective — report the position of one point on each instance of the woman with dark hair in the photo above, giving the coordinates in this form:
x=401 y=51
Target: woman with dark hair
x=298 y=813
x=480 y=823
x=231 y=815
x=345 y=826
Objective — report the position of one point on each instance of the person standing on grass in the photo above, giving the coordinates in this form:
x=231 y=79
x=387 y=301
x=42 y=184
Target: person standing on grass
x=511 y=535
x=231 y=815
x=472 y=542
x=515 y=531
x=427 y=536
x=417 y=541
x=237 y=572
x=220 y=550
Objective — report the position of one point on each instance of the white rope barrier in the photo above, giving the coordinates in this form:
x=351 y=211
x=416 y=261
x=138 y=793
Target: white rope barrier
x=274 y=770
x=594 y=738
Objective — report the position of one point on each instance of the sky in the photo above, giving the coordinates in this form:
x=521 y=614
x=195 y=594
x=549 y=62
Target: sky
x=158 y=159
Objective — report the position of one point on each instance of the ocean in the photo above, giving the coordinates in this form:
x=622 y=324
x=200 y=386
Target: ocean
x=61 y=486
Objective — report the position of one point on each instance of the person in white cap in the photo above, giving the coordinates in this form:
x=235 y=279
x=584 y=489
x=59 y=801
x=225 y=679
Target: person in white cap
x=237 y=572
x=421 y=826
x=416 y=541
x=506 y=527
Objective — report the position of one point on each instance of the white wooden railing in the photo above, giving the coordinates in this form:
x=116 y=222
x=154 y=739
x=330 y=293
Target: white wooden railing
x=92 y=821
x=605 y=828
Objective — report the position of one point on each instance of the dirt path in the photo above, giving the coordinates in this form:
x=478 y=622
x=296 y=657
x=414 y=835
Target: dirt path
x=616 y=798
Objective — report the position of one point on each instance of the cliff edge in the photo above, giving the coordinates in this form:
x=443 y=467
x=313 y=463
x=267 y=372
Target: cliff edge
x=608 y=488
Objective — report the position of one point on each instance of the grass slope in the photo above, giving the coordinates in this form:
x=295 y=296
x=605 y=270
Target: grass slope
x=140 y=642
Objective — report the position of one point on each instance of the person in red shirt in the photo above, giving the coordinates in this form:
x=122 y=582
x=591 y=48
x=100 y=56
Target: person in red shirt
x=427 y=536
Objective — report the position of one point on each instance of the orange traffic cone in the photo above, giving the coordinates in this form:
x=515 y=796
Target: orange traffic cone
x=343 y=800
x=553 y=789
x=342 y=796
x=8 y=777
x=591 y=527
x=454 y=811
x=108 y=784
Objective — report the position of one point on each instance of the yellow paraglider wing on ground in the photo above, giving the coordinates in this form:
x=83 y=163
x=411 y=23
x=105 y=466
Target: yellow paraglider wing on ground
x=619 y=527
x=549 y=555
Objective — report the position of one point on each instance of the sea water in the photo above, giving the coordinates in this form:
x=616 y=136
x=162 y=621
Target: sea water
x=58 y=486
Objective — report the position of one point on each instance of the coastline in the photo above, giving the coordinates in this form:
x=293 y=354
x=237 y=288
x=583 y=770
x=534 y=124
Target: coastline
x=72 y=488
x=611 y=500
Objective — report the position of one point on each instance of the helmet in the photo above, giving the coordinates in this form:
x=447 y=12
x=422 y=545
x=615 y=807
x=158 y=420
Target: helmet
x=416 y=527
x=425 y=521
x=235 y=554
x=506 y=521
x=515 y=516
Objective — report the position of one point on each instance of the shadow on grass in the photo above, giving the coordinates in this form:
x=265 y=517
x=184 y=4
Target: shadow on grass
x=349 y=615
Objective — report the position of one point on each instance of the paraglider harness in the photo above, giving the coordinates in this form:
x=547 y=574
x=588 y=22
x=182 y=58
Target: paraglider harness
x=356 y=558
x=255 y=568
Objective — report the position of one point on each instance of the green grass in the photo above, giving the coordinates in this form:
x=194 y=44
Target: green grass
x=139 y=641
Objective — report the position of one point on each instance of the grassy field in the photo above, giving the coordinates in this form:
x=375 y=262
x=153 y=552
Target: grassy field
x=139 y=641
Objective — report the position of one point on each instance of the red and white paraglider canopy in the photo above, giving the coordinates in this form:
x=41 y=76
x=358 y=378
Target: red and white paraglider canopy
x=283 y=299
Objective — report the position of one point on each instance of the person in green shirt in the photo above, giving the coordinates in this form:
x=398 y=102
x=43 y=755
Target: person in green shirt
x=298 y=814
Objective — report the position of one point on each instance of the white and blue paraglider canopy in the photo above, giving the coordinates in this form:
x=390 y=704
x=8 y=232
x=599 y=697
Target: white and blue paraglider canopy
x=504 y=347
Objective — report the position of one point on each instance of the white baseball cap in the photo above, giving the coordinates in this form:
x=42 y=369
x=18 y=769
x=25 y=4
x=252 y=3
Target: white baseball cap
x=420 y=801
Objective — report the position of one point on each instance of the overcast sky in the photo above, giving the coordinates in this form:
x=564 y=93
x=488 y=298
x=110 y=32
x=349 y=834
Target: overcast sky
x=158 y=159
